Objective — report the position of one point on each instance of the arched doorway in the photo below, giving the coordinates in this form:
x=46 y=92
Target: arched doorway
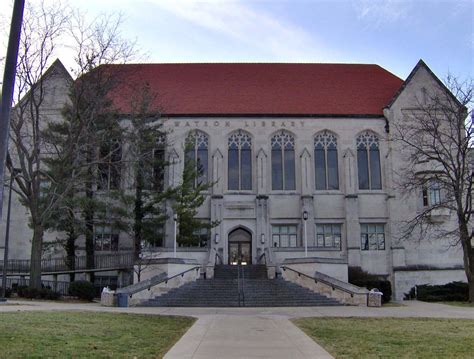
x=240 y=247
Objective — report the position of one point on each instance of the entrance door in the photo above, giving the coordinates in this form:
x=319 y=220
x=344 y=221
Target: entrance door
x=239 y=253
x=240 y=247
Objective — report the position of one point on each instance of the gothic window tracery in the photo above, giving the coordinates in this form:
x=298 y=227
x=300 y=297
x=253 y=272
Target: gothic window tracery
x=283 y=161
x=239 y=146
x=325 y=161
x=196 y=150
x=368 y=161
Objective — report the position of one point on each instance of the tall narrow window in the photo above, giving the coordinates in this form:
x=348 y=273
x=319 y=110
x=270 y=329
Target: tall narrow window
x=325 y=161
x=153 y=165
x=110 y=159
x=197 y=145
x=368 y=161
x=283 y=161
x=432 y=193
x=240 y=161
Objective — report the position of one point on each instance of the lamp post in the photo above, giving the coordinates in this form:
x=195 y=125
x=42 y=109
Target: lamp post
x=13 y=175
x=305 y=218
x=175 y=218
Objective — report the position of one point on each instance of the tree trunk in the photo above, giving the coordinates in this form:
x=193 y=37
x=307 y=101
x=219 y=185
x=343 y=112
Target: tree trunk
x=138 y=209
x=71 y=254
x=471 y=291
x=36 y=255
x=89 y=219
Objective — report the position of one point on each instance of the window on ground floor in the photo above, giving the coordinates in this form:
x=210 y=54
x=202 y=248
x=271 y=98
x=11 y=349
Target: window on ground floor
x=153 y=233
x=328 y=236
x=284 y=236
x=372 y=236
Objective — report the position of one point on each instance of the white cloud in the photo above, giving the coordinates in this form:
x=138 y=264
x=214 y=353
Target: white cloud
x=378 y=12
x=258 y=29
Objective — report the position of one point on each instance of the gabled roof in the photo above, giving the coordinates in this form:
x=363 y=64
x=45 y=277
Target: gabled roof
x=419 y=65
x=258 y=89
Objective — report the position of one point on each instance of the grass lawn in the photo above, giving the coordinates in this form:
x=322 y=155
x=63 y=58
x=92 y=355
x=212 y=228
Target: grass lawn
x=88 y=335
x=392 y=337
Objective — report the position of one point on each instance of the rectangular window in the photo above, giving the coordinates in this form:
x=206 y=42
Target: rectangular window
x=328 y=236
x=372 y=236
x=105 y=239
x=153 y=233
x=284 y=236
x=432 y=194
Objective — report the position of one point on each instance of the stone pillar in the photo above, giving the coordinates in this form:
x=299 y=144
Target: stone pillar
x=173 y=180
x=217 y=209
x=261 y=172
x=307 y=204
x=217 y=173
x=307 y=200
x=262 y=225
x=306 y=178
x=352 y=210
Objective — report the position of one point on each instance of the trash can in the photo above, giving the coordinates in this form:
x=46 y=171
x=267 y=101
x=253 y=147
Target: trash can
x=122 y=300
x=375 y=298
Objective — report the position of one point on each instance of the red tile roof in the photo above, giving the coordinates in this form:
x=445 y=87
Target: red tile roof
x=259 y=89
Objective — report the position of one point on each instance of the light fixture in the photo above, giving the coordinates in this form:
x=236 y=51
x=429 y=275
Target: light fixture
x=305 y=215
x=175 y=217
x=216 y=237
x=262 y=238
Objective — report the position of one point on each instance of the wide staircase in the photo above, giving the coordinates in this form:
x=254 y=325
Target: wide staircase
x=240 y=286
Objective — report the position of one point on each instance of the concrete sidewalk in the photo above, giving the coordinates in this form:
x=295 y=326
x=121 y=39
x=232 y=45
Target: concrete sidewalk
x=409 y=309
x=231 y=336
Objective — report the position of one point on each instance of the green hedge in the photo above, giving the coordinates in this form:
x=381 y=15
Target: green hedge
x=454 y=291
x=82 y=289
x=34 y=293
x=361 y=278
x=8 y=292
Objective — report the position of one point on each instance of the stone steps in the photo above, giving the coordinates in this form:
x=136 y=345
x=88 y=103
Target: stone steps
x=258 y=291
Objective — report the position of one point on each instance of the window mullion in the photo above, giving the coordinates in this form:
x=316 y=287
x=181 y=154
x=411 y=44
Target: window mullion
x=283 y=168
x=326 y=166
x=368 y=167
x=240 y=166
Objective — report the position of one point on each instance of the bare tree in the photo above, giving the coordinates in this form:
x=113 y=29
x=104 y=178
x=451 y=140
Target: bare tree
x=42 y=27
x=435 y=139
x=40 y=188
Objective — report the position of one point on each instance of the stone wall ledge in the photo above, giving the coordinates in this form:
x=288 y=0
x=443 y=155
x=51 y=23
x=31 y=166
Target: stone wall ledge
x=289 y=261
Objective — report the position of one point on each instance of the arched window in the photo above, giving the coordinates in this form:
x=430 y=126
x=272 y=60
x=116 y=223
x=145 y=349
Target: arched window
x=240 y=161
x=153 y=164
x=325 y=161
x=197 y=145
x=110 y=165
x=283 y=161
x=368 y=161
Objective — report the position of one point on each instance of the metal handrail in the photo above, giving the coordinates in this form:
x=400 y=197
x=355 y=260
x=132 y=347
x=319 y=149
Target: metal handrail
x=151 y=282
x=332 y=285
x=262 y=256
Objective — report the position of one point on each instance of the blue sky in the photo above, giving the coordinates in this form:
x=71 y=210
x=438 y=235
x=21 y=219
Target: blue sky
x=392 y=33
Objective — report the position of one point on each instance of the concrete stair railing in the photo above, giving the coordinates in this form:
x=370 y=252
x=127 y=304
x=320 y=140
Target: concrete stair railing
x=143 y=290
x=321 y=283
x=223 y=291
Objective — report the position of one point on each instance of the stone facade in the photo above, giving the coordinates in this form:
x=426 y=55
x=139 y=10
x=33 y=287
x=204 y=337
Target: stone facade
x=273 y=219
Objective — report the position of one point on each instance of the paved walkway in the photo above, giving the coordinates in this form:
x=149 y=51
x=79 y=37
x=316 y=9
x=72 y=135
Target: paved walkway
x=252 y=332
